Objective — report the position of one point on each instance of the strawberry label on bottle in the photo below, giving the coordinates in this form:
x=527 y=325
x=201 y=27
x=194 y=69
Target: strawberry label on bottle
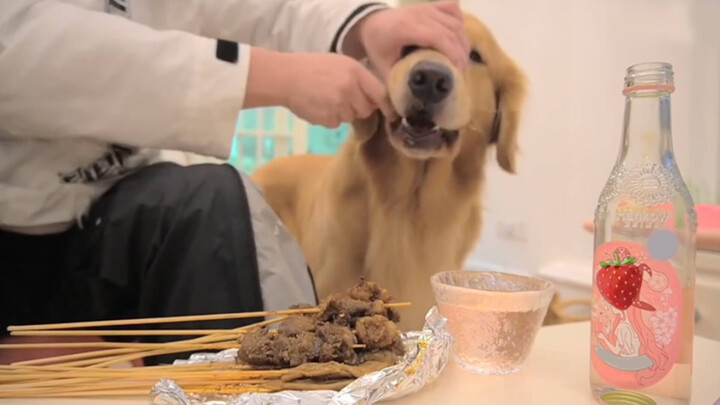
x=636 y=327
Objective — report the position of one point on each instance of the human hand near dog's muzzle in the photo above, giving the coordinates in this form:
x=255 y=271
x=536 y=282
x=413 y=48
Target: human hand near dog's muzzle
x=382 y=35
x=322 y=89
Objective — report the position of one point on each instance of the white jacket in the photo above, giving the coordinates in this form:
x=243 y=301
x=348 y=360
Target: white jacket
x=90 y=89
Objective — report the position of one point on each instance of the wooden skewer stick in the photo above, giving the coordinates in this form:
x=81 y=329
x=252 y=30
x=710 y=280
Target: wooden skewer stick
x=56 y=370
x=101 y=345
x=78 y=394
x=43 y=380
x=93 y=391
x=115 y=359
x=94 y=387
x=144 y=377
x=120 y=374
x=173 y=319
x=203 y=339
x=132 y=356
x=12 y=373
x=114 y=374
x=140 y=355
x=154 y=332
x=71 y=357
x=85 y=358
x=90 y=357
x=9 y=381
x=125 y=381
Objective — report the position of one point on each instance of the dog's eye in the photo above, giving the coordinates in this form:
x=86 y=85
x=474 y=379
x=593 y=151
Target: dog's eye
x=475 y=56
x=408 y=50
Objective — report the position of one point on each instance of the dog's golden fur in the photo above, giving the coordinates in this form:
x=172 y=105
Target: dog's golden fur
x=379 y=212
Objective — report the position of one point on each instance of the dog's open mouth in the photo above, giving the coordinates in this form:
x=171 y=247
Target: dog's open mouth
x=418 y=131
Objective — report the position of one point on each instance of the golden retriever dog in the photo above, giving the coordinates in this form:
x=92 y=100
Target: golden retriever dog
x=402 y=200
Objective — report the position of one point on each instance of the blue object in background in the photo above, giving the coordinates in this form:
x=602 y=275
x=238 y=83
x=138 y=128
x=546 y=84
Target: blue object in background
x=244 y=154
x=324 y=141
x=247 y=121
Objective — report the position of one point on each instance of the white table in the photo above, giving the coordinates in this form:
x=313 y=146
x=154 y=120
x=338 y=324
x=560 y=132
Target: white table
x=556 y=372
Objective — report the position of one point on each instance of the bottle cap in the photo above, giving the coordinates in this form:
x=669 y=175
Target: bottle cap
x=625 y=398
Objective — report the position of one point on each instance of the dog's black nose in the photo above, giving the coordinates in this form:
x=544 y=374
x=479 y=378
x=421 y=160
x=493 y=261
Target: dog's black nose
x=430 y=82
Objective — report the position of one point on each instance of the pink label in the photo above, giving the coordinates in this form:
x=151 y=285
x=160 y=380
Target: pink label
x=636 y=321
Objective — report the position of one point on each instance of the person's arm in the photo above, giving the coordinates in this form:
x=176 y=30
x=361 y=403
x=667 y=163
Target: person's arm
x=298 y=26
x=74 y=73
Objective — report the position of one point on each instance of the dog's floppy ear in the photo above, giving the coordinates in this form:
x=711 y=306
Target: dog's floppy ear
x=510 y=97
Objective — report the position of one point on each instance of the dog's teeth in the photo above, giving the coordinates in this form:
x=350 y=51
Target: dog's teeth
x=410 y=142
x=436 y=128
x=405 y=122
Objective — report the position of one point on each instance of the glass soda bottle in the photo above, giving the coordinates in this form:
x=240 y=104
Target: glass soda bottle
x=643 y=303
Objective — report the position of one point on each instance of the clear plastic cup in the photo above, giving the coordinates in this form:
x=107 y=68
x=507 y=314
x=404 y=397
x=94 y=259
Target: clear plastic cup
x=493 y=317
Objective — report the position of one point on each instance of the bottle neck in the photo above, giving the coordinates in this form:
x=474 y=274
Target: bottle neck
x=647 y=134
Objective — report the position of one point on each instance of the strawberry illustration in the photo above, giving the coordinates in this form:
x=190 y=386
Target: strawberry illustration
x=620 y=281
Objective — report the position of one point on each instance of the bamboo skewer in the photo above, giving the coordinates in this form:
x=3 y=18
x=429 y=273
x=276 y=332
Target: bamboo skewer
x=131 y=381
x=88 y=393
x=75 y=356
x=133 y=373
x=91 y=356
x=210 y=378
x=105 y=345
x=192 y=377
x=227 y=372
x=104 y=392
x=43 y=381
x=89 y=374
x=17 y=373
x=111 y=388
x=174 y=319
x=135 y=356
x=105 y=362
x=108 y=352
x=5 y=369
x=85 y=358
x=131 y=357
x=169 y=332
x=106 y=388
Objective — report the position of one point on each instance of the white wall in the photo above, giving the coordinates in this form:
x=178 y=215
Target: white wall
x=575 y=53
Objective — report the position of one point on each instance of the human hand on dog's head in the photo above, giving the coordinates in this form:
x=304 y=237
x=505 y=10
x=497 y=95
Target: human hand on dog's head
x=382 y=35
x=323 y=88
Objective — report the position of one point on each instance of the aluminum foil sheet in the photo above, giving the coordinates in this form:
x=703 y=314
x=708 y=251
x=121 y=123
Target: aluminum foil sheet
x=427 y=354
